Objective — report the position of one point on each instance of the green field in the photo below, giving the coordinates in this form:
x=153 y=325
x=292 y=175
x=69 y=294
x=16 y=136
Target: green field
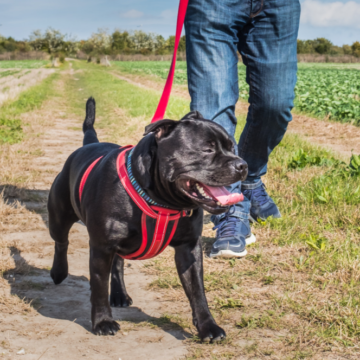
x=322 y=90
x=23 y=64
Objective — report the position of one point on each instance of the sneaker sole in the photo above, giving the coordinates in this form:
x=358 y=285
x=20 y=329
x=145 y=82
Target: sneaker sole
x=228 y=254
x=251 y=239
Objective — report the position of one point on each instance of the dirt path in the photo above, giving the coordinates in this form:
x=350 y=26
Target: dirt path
x=60 y=327
x=341 y=138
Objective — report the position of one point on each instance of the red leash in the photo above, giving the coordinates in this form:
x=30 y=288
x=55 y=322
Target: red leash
x=160 y=111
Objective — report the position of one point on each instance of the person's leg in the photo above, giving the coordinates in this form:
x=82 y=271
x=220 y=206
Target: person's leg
x=211 y=36
x=268 y=47
x=211 y=52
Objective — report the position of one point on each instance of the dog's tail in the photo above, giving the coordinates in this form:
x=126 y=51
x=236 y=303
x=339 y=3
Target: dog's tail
x=90 y=136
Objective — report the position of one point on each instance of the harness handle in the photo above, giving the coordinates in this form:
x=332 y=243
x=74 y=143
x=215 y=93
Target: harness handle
x=160 y=111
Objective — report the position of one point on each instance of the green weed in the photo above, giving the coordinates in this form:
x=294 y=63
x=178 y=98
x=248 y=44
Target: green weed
x=268 y=320
x=229 y=303
x=302 y=159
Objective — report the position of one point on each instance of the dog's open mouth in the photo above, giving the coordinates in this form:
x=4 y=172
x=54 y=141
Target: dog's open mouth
x=210 y=196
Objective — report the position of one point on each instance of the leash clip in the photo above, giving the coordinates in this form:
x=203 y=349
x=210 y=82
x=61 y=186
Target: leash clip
x=190 y=213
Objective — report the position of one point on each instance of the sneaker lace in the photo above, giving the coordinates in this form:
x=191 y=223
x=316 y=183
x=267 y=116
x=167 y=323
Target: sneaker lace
x=259 y=195
x=227 y=225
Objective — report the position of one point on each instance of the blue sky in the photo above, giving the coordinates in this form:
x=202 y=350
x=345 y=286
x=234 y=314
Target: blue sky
x=337 y=20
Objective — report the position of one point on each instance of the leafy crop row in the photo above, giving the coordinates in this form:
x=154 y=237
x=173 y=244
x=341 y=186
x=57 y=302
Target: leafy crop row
x=332 y=93
x=321 y=91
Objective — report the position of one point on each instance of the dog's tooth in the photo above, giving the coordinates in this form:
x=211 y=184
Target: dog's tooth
x=218 y=203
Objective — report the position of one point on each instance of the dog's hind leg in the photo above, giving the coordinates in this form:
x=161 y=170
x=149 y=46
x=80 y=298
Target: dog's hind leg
x=118 y=295
x=61 y=219
x=90 y=136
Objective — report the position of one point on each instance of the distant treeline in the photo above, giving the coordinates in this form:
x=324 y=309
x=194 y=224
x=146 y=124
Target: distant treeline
x=119 y=42
x=100 y=43
x=324 y=46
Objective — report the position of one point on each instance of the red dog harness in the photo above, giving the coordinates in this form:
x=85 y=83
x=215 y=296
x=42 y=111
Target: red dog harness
x=161 y=215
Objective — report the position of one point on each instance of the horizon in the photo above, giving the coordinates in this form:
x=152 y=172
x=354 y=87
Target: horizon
x=334 y=20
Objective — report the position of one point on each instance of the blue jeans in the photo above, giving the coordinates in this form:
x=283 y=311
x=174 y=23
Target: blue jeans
x=265 y=34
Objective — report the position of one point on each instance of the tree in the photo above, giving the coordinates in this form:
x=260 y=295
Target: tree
x=52 y=41
x=347 y=49
x=182 y=44
x=160 y=45
x=322 y=46
x=120 y=40
x=36 y=40
x=101 y=41
x=143 y=42
x=356 y=48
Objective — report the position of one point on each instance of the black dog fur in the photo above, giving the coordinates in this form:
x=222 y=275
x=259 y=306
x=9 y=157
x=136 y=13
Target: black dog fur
x=170 y=154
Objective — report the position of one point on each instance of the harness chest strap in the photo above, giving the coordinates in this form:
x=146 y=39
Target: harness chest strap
x=163 y=216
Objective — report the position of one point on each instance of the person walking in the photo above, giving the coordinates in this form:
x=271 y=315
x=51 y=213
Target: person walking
x=265 y=34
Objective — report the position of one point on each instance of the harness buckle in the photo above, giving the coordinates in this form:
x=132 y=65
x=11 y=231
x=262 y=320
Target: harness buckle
x=190 y=213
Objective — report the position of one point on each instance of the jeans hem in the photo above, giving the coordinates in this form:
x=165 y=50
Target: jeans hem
x=252 y=186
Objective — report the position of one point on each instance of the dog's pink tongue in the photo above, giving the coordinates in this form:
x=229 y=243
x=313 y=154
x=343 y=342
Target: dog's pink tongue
x=223 y=196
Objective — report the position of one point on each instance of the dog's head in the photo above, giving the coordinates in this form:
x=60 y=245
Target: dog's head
x=195 y=160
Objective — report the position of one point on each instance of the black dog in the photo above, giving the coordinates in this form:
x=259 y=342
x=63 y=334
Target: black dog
x=180 y=164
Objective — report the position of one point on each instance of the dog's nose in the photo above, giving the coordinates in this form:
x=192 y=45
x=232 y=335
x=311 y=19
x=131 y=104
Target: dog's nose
x=241 y=166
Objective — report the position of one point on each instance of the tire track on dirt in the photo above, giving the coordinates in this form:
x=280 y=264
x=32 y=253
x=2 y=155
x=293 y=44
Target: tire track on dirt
x=341 y=138
x=60 y=326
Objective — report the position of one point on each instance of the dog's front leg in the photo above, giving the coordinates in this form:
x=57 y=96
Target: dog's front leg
x=189 y=263
x=100 y=265
x=118 y=294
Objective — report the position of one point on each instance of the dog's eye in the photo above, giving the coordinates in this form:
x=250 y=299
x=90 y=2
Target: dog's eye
x=211 y=147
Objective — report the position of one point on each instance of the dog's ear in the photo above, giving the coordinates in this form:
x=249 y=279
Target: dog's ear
x=143 y=165
x=161 y=128
x=195 y=115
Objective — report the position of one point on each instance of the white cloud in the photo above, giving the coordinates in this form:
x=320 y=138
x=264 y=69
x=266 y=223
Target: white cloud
x=169 y=14
x=132 y=14
x=330 y=14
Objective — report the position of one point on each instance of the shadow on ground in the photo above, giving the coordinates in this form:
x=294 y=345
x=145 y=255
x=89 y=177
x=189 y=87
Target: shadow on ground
x=33 y=200
x=71 y=299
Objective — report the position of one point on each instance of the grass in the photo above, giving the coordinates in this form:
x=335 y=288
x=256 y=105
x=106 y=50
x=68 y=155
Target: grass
x=117 y=102
x=155 y=68
x=23 y=64
x=11 y=126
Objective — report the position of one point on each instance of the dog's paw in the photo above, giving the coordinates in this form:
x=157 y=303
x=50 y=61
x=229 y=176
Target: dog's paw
x=120 y=300
x=106 y=327
x=211 y=332
x=59 y=274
